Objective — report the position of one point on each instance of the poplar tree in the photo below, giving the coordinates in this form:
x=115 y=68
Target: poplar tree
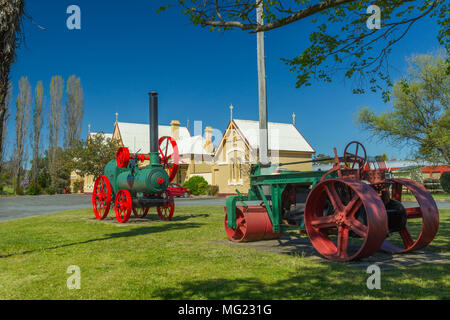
x=37 y=125
x=54 y=123
x=73 y=115
x=23 y=105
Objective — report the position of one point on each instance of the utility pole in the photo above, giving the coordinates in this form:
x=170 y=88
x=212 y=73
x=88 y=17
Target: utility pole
x=263 y=130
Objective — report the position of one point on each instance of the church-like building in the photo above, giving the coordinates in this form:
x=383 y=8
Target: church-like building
x=226 y=165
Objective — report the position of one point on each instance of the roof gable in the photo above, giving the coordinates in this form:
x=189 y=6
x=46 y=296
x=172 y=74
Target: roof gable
x=282 y=136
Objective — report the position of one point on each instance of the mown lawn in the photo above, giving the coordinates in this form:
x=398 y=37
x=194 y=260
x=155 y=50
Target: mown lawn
x=185 y=259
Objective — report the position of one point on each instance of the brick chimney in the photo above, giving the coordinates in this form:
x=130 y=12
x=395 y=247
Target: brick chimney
x=209 y=147
x=175 y=126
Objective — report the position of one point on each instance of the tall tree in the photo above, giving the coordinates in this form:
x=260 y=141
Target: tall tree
x=345 y=38
x=74 y=111
x=23 y=106
x=11 y=14
x=54 y=123
x=420 y=114
x=38 y=117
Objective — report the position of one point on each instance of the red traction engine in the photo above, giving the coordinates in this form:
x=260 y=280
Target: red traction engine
x=129 y=185
x=349 y=212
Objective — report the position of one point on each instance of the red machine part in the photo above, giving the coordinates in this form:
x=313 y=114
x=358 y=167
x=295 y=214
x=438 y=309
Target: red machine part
x=342 y=199
x=169 y=155
x=101 y=197
x=426 y=210
x=122 y=157
x=165 y=212
x=356 y=157
x=253 y=224
x=123 y=206
x=140 y=212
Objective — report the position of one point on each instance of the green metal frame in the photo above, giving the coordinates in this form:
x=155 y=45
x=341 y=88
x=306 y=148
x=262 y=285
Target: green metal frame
x=260 y=177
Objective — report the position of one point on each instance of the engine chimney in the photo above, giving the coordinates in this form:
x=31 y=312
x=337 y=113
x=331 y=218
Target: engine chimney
x=153 y=112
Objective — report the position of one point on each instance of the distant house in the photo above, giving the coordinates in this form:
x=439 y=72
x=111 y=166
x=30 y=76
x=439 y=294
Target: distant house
x=239 y=148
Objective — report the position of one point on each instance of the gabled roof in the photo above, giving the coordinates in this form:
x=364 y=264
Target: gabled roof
x=106 y=135
x=192 y=145
x=282 y=136
x=136 y=137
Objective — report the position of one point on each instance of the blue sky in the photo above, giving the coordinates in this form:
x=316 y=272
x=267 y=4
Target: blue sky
x=124 y=50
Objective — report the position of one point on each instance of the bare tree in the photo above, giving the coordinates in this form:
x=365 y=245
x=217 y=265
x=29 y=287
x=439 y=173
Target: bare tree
x=37 y=125
x=54 y=123
x=74 y=111
x=23 y=106
x=11 y=14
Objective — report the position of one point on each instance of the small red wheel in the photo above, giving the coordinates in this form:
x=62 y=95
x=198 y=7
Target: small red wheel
x=101 y=197
x=140 y=212
x=355 y=157
x=123 y=205
x=169 y=155
x=165 y=212
x=122 y=157
x=426 y=211
x=350 y=209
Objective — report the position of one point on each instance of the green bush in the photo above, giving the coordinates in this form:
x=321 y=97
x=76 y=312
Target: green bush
x=213 y=191
x=34 y=189
x=197 y=185
x=445 y=181
x=50 y=190
x=20 y=191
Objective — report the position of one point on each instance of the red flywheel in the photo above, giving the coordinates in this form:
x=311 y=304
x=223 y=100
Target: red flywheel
x=169 y=155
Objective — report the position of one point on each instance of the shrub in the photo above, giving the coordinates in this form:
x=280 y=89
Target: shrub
x=20 y=191
x=50 y=190
x=34 y=189
x=197 y=185
x=213 y=191
x=445 y=181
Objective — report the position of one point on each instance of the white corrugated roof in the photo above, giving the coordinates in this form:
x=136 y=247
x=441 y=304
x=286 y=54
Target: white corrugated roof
x=106 y=135
x=192 y=145
x=136 y=136
x=282 y=136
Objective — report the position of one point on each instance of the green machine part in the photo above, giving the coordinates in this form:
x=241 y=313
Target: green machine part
x=262 y=179
x=152 y=179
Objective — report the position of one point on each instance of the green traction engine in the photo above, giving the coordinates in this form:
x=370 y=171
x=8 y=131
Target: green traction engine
x=129 y=184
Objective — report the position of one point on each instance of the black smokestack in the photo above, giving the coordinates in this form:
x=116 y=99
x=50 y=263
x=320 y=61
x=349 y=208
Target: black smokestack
x=153 y=122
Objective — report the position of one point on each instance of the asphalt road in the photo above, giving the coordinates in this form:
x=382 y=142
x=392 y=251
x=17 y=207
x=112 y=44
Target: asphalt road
x=27 y=206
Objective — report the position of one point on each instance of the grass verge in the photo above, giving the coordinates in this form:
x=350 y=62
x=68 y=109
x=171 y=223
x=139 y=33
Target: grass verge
x=183 y=260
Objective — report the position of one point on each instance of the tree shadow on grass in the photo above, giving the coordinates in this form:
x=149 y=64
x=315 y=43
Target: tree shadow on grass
x=324 y=282
x=124 y=234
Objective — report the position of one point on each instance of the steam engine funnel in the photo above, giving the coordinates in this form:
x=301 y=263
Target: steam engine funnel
x=153 y=112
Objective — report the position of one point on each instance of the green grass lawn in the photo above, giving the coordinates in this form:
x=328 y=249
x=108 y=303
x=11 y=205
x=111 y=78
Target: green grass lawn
x=183 y=260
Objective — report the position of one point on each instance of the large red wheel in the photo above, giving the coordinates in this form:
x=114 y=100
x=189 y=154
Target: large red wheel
x=345 y=219
x=426 y=210
x=140 y=212
x=169 y=156
x=252 y=224
x=165 y=212
x=123 y=205
x=122 y=157
x=101 y=197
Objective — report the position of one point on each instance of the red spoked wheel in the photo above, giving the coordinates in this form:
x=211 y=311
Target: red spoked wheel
x=345 y=219
x=252 y=224
x=122 y=206
x=165 y=212
x=169 y=155
x=140 y=212
x=426 y=210
x=101 y=197
x=358 y=156
x=122 y=157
